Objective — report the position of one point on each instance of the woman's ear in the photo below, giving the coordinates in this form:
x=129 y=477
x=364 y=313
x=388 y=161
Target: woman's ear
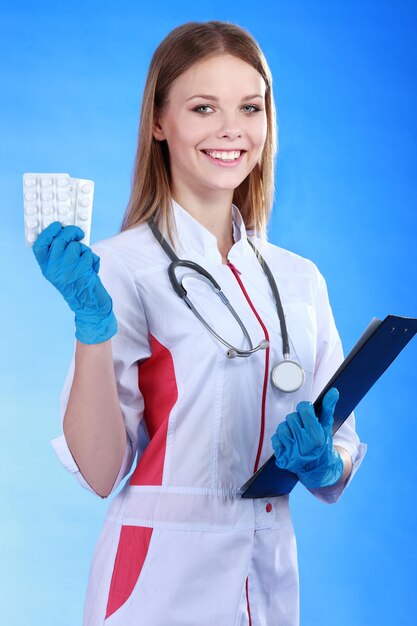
x=157 y=131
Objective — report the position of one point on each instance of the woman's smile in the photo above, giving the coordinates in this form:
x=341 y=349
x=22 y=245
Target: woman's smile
x=224 y=158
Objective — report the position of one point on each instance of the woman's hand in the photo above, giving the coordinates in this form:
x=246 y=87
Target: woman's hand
x=72 y=267
x=304 y=445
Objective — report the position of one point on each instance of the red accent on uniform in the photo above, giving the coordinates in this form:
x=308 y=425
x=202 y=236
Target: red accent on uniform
x=247 y=603
x=268 y=507
x=158 y=386
x=264 y=328
x=233 y=268
x=131 y=553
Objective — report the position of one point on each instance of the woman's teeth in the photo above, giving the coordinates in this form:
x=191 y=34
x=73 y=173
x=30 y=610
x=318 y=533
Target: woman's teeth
x=224 y=156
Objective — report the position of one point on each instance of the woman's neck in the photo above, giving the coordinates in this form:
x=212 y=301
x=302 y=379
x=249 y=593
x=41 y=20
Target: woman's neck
x=215 y=214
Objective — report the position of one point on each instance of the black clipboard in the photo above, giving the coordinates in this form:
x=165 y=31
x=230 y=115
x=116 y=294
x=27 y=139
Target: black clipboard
x=376 y=349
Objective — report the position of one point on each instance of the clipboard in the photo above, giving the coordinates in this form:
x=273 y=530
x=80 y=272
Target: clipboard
x=374 y=352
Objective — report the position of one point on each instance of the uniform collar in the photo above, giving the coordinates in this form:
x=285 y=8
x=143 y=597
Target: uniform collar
x=193 y=236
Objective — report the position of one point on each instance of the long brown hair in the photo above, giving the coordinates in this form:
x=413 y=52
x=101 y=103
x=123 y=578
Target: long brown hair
x=181 y=48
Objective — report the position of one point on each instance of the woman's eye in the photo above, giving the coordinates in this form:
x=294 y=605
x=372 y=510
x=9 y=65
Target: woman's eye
x=202 y=106
x=254 y=108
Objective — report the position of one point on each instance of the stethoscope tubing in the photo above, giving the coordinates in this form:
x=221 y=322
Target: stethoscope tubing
x=233 y=351
x=278 y=303
x=181 y=291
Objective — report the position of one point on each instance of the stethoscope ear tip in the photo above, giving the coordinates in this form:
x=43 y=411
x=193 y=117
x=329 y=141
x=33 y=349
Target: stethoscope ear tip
x=231 y=354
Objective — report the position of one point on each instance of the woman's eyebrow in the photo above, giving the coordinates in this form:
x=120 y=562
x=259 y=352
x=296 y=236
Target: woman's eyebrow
x=208 y=97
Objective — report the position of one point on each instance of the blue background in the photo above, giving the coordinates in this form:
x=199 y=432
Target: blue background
x=345 y=73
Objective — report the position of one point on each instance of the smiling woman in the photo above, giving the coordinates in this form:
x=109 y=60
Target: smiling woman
x=229 y=134
x=208 y=85
x=180 y=545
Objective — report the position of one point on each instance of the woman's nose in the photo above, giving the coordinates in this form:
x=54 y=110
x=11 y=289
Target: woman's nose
x=229 y=127
x=232 y=134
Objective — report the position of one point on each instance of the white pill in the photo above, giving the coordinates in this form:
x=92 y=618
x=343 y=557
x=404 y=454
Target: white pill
x=66 y=222
x=83 y=215
x=32 y=237
x=62 y=182
x=31 y=195
x=62 y=195
x=46 y=221
x=46 y=182
x=84 y=202
x=30 y=182
x=31 y=209
x=63 y=208
x=47 y=195
x=86 y=188
x=32 y=222
x=47 y=209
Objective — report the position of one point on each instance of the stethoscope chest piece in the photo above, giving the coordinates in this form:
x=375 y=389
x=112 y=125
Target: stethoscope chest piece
x=287 y=376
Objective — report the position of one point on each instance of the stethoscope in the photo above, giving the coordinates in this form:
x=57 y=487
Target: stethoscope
x=287 y=375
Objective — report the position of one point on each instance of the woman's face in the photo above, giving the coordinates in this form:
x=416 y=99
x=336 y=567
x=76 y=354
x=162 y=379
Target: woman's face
x=215 y=125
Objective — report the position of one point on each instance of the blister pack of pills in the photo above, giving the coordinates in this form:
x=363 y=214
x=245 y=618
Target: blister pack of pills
x=51 y=198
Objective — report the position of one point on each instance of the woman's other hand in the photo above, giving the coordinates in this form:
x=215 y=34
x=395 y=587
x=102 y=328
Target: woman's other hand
x=303 y=444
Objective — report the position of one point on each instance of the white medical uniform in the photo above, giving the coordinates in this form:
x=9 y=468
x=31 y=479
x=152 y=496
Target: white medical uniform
x=179 y=546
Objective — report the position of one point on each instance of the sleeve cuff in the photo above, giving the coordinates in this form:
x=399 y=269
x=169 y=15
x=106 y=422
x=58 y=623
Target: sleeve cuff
x=63 y=452
x=331 y=494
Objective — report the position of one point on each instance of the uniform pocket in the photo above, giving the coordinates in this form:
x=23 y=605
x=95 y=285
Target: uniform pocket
x=131 y=556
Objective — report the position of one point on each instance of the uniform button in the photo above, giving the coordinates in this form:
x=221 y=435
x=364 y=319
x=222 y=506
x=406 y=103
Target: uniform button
x=268 y=507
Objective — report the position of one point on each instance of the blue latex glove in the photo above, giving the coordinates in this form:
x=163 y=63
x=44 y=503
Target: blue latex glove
x=72 y=267
x=304 y=445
